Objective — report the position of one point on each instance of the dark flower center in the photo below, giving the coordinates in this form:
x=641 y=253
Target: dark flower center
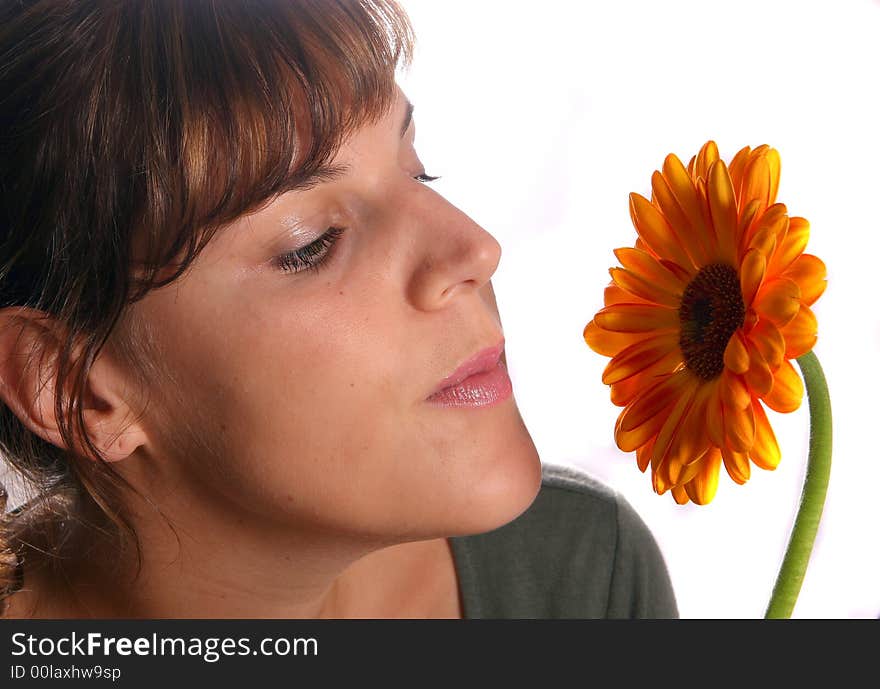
x=711 y=310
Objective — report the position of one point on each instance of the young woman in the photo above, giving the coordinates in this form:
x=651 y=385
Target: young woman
x=251 y=364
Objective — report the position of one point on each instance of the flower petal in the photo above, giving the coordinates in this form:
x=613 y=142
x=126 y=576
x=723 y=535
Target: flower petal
x=769 y=341
x=615 y=295
x=759 y=377
x=679 y=471
x=792 y=245
x=633 y=439
x=659 y=482
x=689 y=471
x=684 y=190
x=775 y=165
x=677 y=270
x=765 y=451
x=679 y=494
x=643 y=264
x=609 y=343
x=752 y=274
x=682 y=186
x=788 y=390
x=746 y=225
x=779 y=300
x=708 y=154
x=638 y=357
x=737 y=465
x=641 y=246
x=703 y=198
x=692 y=441
x=737 y=172
x=739 y=427
x=635 y=284
x=801 y=333
x=733 y=391
x=625 y=391
x=715 y=419
x=756 y=182
x=705 y=484
x=722 y=205
x=768 y=232
x=736 y=356
x=655 y=231
x=672 y=424
x=692 y=238
x=653 y=400
x=643 y=455
x=809 y=273
x=636 y=318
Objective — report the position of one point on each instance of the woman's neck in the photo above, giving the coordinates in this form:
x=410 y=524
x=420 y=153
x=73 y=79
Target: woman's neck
x=234 y=574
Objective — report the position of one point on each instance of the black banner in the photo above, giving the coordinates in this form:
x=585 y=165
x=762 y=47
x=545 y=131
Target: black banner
x=237 y=652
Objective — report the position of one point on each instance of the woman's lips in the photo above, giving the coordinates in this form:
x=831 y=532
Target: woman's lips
x=480 y=381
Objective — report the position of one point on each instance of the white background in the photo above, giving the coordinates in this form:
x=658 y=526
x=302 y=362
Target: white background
x=543 y=116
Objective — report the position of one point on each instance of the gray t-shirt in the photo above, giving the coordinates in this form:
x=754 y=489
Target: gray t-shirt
x=579 y=551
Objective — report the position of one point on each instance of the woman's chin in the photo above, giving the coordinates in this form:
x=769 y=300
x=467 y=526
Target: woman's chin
x=504 y=488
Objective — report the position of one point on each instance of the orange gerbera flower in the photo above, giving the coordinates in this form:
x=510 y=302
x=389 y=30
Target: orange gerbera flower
x=702 y=318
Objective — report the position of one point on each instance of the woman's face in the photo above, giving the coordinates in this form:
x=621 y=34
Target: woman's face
x=309 y=388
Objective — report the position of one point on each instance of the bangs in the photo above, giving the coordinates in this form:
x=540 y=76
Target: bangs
x=241 y=101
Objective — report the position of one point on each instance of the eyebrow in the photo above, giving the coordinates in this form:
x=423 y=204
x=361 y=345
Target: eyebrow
x=407 y=118
x=325 y=173
x=331 y=173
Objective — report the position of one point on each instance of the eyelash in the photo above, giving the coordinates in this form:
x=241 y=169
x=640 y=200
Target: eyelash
x=315 y=256
x=311 y=256
x=425 y=178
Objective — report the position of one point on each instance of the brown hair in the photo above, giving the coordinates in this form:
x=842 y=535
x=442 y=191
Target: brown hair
x=130 y=132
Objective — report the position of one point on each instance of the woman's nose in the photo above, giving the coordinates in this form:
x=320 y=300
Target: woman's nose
x=454 y=254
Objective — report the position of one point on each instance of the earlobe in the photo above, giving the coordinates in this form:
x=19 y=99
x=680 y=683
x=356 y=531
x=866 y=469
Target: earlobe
x=109 y=417
x=29 y=346
x=114 y=445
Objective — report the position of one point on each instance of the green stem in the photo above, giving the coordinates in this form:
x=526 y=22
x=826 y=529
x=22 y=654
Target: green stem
x=797 y=556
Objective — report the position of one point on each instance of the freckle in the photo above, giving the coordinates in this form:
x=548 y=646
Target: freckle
x=351 y=385
x=341 y=293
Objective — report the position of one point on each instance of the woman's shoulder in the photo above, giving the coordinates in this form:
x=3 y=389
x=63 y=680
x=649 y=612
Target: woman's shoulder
x=568 y=488
x=572 y=512
x=579 y=550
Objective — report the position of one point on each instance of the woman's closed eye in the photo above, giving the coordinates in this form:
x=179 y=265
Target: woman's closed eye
x=313 y=255
x=425 y=178
x=317 y=254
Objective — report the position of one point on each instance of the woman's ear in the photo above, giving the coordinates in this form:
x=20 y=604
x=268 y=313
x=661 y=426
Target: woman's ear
x=30 y=342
